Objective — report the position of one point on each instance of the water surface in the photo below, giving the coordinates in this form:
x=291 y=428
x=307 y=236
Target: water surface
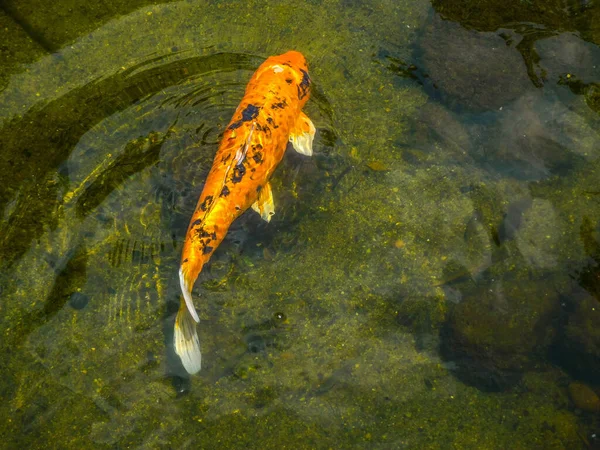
x=430 y=279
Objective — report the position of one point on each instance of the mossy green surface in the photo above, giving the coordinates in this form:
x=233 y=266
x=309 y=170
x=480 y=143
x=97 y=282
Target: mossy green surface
x=17 y=48
x=319 y=330
x=53 y=25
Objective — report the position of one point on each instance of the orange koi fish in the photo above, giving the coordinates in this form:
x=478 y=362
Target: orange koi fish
x=253 y=144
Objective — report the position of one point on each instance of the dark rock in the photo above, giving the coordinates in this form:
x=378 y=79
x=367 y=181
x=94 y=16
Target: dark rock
x=494 y=334
x=577 y=348
x=473 y=70
x=535 y=138
x=525 y=24
x=567 y=53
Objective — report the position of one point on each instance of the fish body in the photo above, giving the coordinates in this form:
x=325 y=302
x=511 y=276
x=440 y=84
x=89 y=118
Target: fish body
x=268 y=117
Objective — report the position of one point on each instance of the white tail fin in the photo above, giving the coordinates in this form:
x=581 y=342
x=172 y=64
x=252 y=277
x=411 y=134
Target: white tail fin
x=185 y=339
x=187 y=295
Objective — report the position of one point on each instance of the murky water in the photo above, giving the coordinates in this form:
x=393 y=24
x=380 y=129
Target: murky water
x=431 y=278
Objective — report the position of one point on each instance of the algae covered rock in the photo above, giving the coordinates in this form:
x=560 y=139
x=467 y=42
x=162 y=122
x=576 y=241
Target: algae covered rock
x=524 y=23
x=583 y=397
x=578 y=346
x=568 y=53
x=472 y=70
x=494 y=334
x=537 y=137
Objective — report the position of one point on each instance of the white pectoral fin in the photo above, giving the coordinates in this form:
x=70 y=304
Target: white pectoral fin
x=185 y=340
x=302 y=135
x=264 y=204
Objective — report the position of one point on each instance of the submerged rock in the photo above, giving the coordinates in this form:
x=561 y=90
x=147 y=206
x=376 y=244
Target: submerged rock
x=583 y=397
x=495 y=332
x=568 y=53
x=578 y=346
x=525 y=23
x=473 y=70
x=536 y=137
x=78 y=300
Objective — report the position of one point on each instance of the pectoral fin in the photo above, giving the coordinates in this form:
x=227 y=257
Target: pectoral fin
x=302 y=135
x=264 y=204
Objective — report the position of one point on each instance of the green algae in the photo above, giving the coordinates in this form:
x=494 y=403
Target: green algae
x=17 y=48
x=55 y=24
x=350 y=257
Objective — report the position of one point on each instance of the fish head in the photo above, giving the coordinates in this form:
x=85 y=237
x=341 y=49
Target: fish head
x=292 y=68
x=292 y=58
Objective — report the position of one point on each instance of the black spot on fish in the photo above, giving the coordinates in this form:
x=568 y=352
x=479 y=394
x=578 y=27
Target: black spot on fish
x=226 y=158
x=257 y=157
x=196 y=222
x=203 y=233
x=206 y=203
x=289 y=81
x=225 y=191
x=279 y=105
x=258 y=189
x=304 y=85
x=249 y=113
x=305 y=78
x=238 y=173
x=207 y=249
x=272 y=122
x=184 y=261
x=264 y=128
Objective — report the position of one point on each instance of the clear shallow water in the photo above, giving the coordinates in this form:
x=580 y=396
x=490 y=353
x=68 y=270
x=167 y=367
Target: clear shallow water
x=430 y=279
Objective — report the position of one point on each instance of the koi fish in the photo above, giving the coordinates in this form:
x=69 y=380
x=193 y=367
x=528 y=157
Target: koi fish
x=268 y=117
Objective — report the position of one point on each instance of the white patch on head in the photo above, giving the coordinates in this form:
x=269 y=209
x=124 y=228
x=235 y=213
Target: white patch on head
x=277 y=69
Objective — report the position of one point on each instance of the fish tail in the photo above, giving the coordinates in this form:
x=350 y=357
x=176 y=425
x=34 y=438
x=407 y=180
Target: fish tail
x=185 y=339
x=186 y=282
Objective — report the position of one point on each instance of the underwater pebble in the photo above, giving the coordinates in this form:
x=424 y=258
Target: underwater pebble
x=256 y=343
x=583 y=397
x=377 y=166
x=78 y=300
